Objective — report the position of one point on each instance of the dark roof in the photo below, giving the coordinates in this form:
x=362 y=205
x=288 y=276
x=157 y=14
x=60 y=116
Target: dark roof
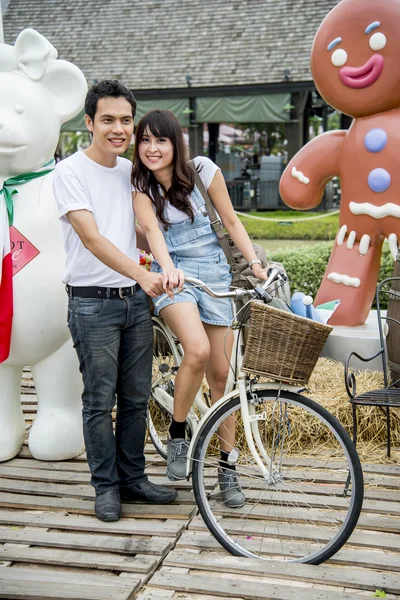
x=155 y=44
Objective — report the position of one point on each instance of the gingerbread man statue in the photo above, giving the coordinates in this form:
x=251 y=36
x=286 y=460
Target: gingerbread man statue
x=356 y=68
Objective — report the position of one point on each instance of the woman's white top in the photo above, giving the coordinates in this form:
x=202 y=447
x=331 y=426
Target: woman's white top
x=207 y=172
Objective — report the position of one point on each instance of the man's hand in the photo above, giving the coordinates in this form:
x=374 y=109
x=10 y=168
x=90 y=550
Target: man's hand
x=151 y=283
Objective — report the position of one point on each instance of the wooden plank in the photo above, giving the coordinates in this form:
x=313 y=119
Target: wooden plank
x=155 y=593
x=381 y=507
x=280 y=498
x=76 y=465
x=390 y=495
x=320 y=489
x=381 y=481
x=160 y=528
x=314 y=463
x=362 y=558
x=86 y=492
x=46 y=475
x=39 y=574
x=139 y=563
x=393 y=470
x=379 y=523
x=333 y=476
x=297 y=531
x=321 y=574
x=53 y=585
x=32 y=463
x=151 y=459
x=121 y=544
x=248 y=590
x=142 y=511
x=291 y=511
x=81 y=477
x=43 y=590
x=315 y=494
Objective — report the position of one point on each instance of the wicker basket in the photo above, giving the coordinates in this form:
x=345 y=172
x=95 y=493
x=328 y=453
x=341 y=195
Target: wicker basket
x=281 y=345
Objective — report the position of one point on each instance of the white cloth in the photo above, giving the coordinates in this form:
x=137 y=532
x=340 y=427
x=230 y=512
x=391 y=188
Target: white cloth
x=82 y=184
x=207 y=172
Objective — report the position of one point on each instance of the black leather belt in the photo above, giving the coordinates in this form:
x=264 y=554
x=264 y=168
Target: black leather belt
x=101 y=292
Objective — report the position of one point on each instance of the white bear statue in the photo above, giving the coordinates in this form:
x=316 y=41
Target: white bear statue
x=39 y=93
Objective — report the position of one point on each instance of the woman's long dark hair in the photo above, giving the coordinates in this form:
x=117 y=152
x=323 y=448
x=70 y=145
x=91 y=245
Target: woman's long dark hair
x=163 y=123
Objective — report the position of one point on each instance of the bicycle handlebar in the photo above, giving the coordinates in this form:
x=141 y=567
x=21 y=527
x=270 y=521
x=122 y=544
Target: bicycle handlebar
x=238 y=293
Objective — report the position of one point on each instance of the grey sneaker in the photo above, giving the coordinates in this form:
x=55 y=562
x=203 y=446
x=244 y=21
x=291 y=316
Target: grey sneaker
x=177 y=450
x=232 y=493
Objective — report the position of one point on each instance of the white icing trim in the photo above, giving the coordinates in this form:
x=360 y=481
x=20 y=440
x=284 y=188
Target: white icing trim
x=351 y=239
x=364 y=244
x=345 y=279
x=392 y=239
x=300 y=176
x=341 y=235
x=376 y=212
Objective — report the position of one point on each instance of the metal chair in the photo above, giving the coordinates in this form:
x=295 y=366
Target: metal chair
x=389 y=396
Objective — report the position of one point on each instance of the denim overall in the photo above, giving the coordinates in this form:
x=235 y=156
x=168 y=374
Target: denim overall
x=194 y=248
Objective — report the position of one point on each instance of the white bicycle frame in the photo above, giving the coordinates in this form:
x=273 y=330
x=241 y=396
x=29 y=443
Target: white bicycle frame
x=237 y=382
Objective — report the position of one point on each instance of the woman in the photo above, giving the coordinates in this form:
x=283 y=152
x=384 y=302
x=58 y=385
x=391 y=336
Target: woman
x=171 y=211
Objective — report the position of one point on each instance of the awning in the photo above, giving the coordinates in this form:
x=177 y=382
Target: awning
x=180 y=108
x=271 y=108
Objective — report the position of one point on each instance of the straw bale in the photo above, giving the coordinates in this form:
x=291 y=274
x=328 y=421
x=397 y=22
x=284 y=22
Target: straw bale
x=326 y=386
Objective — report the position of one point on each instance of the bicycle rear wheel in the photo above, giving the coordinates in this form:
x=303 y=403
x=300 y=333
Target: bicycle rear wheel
x=307 y=506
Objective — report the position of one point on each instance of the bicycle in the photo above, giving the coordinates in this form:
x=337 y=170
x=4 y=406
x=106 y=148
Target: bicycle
x=295 y=510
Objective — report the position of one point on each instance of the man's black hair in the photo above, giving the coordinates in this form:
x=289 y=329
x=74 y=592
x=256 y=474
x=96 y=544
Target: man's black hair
x=104 y=89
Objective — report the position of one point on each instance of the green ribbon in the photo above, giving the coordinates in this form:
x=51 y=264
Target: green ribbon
x=9 y=190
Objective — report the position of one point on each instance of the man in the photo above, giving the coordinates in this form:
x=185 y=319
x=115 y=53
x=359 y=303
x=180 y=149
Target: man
x=108 y=314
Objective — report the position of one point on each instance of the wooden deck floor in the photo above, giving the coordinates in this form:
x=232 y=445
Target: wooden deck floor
x=53 y=547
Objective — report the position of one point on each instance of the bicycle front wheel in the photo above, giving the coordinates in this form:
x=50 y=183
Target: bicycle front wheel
x=307 y=505
x=166 y=360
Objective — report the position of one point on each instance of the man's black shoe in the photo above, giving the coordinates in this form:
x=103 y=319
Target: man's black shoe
x=108 y=506
x=148 y=492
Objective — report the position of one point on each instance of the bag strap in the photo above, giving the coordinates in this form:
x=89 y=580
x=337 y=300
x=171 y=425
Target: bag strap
x=216 y=222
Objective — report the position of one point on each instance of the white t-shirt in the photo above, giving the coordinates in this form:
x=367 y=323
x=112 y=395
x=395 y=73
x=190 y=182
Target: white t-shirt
x=82 y=184
x=209 y=168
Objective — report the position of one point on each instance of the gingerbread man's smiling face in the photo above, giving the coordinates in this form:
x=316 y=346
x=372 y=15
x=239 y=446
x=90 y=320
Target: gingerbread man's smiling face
x=355 y=59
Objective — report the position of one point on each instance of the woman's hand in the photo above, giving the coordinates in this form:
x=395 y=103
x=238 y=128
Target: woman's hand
x=259 y=272
x=173 y=278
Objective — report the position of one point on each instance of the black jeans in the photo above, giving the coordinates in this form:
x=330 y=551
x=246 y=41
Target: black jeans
x=113 y=340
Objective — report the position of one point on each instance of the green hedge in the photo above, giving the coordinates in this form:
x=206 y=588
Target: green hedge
x=306 y=266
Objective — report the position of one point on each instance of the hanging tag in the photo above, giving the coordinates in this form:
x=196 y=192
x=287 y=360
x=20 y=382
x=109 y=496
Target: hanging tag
x=233 y=456
x=22 y=251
